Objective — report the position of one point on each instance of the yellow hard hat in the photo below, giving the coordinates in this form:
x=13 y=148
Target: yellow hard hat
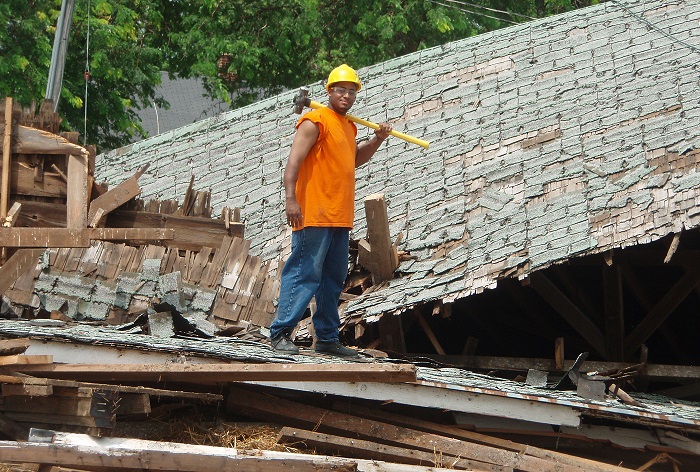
x=343 y=73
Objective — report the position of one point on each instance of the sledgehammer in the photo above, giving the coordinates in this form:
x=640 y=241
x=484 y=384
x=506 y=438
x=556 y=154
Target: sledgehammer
x=302 y=100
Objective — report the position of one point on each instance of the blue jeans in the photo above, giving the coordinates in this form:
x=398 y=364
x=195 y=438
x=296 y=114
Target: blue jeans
x=317 y=266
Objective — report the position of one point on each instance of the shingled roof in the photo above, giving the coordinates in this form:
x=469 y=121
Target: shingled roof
x=553 y=139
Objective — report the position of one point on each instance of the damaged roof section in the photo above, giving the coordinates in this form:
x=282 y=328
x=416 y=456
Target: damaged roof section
x=558 y=138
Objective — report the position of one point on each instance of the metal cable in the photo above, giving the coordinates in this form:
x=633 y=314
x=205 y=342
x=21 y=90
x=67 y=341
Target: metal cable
x=472 y=12
x=489 y=9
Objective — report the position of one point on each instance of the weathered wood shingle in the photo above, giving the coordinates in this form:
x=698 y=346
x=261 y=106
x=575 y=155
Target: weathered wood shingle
x=552 y=139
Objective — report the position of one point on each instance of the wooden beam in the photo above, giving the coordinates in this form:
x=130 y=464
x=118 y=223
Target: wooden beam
x=122 y=454
x=429 y=332
x=270 y=408
x=514 y=364
x=191 y=233
x=6 y=160
x=223 y=373
x=118 y=195
x=569 y=311
x=77 y=195
x=78 y=237
x=376 y=253
x=338 y=445
x=662 y=310
x=471 y=436
x=637 y=289
x=37 y=141
x=62 y=383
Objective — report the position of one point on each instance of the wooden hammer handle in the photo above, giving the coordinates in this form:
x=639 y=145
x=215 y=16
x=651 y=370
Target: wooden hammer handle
x=369 y=124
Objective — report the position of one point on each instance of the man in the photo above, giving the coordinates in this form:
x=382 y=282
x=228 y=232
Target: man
x=319 y=183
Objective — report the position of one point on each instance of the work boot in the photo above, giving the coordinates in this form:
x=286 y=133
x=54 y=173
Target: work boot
x=335 y=349
x=282 y=343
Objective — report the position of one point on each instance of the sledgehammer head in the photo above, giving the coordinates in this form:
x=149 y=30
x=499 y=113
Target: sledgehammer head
x=301 y=100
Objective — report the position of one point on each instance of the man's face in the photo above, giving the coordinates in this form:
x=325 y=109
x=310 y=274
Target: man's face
x=341 y=96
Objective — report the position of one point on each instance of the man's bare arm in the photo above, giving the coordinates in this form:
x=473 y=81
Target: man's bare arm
x=367 y=149
x=305 y=138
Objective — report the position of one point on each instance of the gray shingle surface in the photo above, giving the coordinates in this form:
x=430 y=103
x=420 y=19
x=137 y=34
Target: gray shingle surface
x=551 y=139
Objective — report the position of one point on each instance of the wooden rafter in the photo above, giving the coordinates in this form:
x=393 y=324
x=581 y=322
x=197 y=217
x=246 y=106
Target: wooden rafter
x=569 y=311
x=658 y=314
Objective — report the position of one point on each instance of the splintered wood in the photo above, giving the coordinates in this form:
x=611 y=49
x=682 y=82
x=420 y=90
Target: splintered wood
x=105 y=237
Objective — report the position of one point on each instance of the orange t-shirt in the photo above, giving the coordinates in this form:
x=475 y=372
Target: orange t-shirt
x=325 y=186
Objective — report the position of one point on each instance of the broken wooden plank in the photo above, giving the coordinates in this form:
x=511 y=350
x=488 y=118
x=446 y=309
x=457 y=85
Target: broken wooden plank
x=471 y=436
x=28 y=390
x=190 y=233
x=13 y=346
x=22 y=261
x=36 y=141
x=62 y=383
x=377 y=254
x=338 y=445
x=122 y=454
x=271 y=408
x=11 y=216
x=222 y=373
x=77 y=196
x=118 y=195
x=78 y=237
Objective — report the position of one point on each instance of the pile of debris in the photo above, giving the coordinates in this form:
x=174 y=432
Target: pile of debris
x=73 y=250
x=65 y=414
x=169 y=308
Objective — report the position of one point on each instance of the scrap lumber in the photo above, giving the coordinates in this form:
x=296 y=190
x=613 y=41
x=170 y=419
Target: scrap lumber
x=471 y=436
x=376 y=253
x=271 y=408
x=13 y=346
x=223 y=373
x=338 y=445
x=117 y=196
x=21 y=262
x=190 y=232
x=77 y=191
x=123 y=454
x=156 y=392
x=77 y=237
x=20 y=359
x=36 y=141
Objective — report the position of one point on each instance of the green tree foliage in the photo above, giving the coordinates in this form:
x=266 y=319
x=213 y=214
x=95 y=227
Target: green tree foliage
x=242 y=49
x=26 y=39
